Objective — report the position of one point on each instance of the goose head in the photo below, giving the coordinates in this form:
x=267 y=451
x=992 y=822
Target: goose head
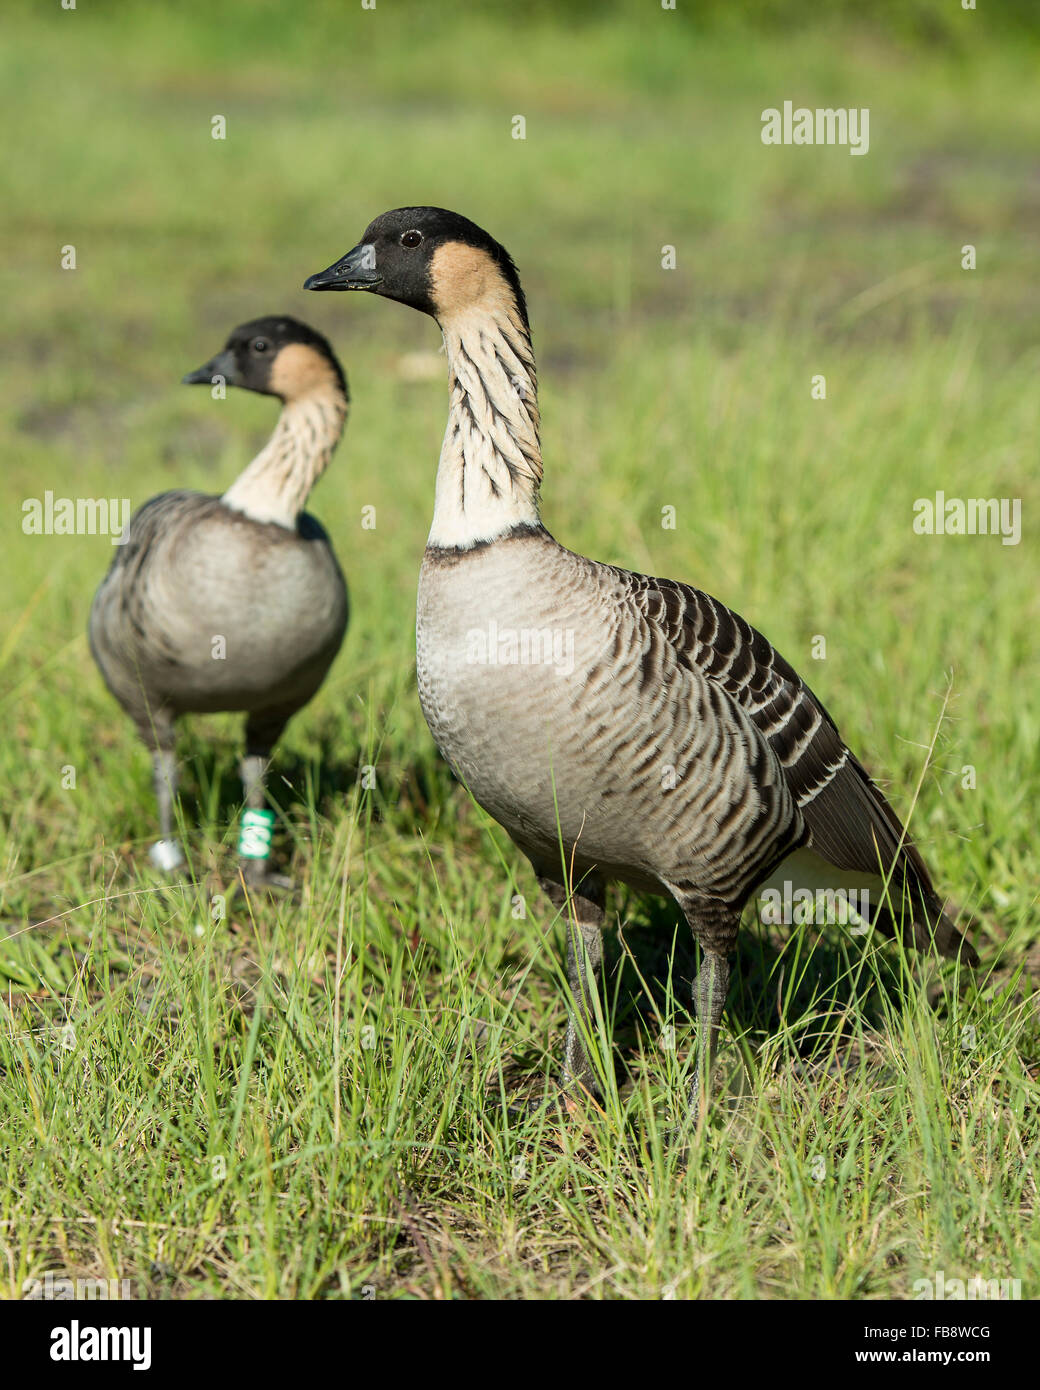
x=431 y=259
x=275 y=356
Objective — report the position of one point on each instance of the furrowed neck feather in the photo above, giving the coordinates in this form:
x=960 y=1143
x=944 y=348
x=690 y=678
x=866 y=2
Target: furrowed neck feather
x=491 y=463
x=276 y=485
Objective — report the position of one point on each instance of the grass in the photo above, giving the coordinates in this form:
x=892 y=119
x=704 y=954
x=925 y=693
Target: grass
x=205 y=1094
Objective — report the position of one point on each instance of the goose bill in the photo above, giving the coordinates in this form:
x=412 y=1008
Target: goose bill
x=354 y=271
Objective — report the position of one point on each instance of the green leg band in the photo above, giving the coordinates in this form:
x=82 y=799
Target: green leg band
x=254 y=836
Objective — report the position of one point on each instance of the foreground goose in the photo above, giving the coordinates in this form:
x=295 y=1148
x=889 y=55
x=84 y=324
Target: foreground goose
x=619 y=727
x=233 y=602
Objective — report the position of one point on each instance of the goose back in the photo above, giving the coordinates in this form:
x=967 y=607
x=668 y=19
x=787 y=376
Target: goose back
x=205 y=609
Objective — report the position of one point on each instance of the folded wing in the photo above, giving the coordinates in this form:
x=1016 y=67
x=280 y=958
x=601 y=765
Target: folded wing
x=850 y=823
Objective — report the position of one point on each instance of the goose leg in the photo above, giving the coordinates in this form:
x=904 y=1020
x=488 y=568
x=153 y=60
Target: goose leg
x=584 y=923
x=709 y=993
x=166 y=853
x=252 y=768
x=715 y=926
x=262 y=733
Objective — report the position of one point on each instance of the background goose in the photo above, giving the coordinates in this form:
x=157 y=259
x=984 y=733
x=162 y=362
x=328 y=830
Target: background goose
x=233 y=602
x=633 y=727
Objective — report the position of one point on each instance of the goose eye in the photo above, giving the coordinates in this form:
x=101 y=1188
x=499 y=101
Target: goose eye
x=411 y=238
x=260 y=345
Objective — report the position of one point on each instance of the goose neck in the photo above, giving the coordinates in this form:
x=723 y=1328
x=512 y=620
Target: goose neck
x=275 y=486
x=491 y=464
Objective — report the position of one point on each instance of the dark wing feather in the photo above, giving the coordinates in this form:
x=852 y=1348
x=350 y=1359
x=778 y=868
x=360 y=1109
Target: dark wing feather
x=850 y=823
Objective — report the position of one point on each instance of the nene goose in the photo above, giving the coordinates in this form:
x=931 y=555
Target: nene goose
x=233 y=602
x=618 y=726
